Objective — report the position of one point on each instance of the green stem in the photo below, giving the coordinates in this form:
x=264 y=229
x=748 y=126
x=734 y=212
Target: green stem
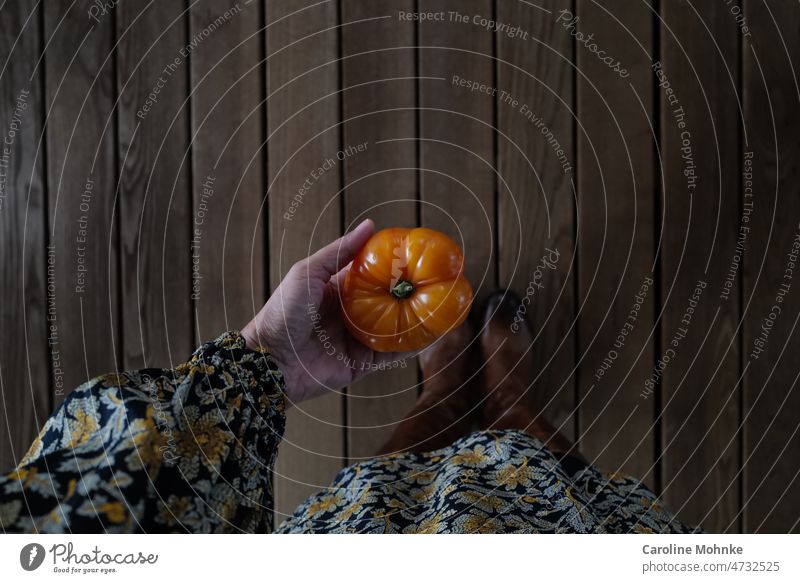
x=402 y=289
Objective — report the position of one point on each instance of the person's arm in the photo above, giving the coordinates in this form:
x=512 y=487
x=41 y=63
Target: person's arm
x=192 y=449
x=155 y=450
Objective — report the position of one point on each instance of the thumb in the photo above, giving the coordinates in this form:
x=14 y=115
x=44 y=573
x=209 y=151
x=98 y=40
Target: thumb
x=333 y=257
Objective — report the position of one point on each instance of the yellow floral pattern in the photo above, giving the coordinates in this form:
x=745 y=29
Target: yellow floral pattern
x=192 y=450
x=486 y=482
x=184 y=450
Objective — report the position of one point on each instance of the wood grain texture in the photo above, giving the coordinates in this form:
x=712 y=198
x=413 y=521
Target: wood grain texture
x=225 y=51
x=772 y=396
x=535 y=193
x=137 y=199
x=700 y=157
x=82 y=184
x=458 y=175
x=378 y=108
x=25 y=398
x=303 y=114
x=155 y=196
x=616 y=231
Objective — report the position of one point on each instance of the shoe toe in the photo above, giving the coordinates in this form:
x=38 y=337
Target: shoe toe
x=502 y=305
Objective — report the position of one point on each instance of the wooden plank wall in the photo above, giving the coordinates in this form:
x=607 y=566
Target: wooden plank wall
x=617 y=270
x=154 y=184
x=536 y=197
x=303 y=111
x=26 y=394
x=156 y=150
x=700 y=157
x=82 y=171
x=771 y=449
x=457 y=147
x=379 y=100
x=457 y=141
x=226 y=52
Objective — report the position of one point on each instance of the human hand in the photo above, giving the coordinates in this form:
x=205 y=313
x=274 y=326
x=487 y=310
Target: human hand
x=303 y=328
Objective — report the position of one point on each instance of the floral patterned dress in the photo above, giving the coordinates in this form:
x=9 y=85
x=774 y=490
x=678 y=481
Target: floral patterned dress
x=192 y=450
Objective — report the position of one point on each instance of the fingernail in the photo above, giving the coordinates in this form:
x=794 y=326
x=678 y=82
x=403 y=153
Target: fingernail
x=361 y=224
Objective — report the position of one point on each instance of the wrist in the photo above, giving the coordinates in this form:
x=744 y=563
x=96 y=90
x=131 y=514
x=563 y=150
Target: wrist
x=260 y=341
x=252 y=339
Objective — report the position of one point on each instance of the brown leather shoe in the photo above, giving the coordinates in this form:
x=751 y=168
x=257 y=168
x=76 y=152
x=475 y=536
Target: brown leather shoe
x=445 y=408
x=508 y=399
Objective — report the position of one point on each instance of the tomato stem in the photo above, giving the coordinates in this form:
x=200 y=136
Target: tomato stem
x=402 y=289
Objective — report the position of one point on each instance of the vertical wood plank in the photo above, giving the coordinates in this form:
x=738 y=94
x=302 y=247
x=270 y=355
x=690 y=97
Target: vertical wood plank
x=24 y=387
x=302 y=69
x=458 y=177
x=155 y=197
x=536 y=157
x=82 y=179
x=772 y=396
x=225 y=51
x=378 y=105
x=700 y=156
x=616 y=232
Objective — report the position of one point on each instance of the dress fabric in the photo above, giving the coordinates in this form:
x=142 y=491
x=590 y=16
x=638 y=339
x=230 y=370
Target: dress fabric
x=192 y=450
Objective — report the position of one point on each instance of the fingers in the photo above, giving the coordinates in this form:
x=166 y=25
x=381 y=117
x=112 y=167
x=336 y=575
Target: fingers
x=334 y=288
x=329 y=260
x=338 y=280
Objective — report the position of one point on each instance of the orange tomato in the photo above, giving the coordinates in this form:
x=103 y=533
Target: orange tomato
x=405 y=289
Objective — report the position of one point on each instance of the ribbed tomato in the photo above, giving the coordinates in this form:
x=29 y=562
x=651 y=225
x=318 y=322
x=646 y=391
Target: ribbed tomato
x=405 y=289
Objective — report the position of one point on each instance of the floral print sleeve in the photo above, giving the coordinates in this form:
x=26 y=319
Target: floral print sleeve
x=192 y=450
x=183 y=450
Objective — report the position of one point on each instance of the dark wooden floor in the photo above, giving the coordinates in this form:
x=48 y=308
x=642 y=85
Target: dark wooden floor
x=153 y=153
